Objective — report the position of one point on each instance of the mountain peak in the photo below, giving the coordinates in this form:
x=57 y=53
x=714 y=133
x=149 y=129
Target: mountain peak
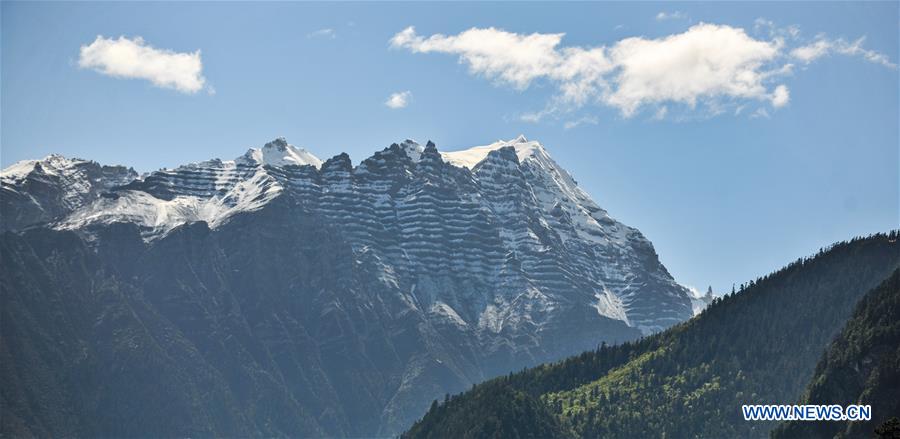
x=49 y=164
x=280 y=143
x=18 y=169
x=412 y=149
x=468 y=158
x=280 y=153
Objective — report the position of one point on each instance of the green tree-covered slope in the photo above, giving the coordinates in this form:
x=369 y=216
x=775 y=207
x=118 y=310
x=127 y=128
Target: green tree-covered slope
x=757 y=346
x=862 y=366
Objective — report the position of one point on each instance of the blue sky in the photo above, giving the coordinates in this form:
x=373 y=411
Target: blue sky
x=746 y=179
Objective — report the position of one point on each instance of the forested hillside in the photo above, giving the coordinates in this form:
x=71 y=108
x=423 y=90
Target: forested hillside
x=759 y=345
x=862 y=366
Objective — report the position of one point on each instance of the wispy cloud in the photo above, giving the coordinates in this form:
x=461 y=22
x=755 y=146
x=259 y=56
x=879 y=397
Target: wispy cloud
x=760 y=113
x=326 y=33
x=585 y=120
x=774 y=31
x=661 y=113
x=714 y=67
x=676 y=15
x=398 y=100
x=135 y=59
x=824 y=46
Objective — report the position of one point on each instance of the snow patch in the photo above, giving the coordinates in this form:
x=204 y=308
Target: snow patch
x=610 y=305
x=449 y=313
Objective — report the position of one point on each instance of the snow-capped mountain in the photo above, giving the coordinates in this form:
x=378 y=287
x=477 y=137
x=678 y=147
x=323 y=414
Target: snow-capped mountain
x=511 y=191
x=39 y=191
x=441 y=269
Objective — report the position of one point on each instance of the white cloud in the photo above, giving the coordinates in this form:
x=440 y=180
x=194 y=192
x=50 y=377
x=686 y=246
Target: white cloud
x=706 y=62
x=677 y=15
x=715 y=67
x=398 y=100
x=326 y=33
x=134 y=58
x=781 y=96
x=824 y=46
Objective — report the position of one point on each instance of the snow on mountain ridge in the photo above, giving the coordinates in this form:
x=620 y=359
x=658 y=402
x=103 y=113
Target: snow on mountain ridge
x=470 y=157
x=34 y=192
x=161 y=215
x=557 y=191
x=211 y=191
x=52 y=164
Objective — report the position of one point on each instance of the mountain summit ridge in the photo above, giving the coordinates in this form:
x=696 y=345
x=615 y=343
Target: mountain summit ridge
x=213 y=191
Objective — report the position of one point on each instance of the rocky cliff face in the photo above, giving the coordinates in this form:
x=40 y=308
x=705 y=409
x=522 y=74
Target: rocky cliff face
x=279 y=294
